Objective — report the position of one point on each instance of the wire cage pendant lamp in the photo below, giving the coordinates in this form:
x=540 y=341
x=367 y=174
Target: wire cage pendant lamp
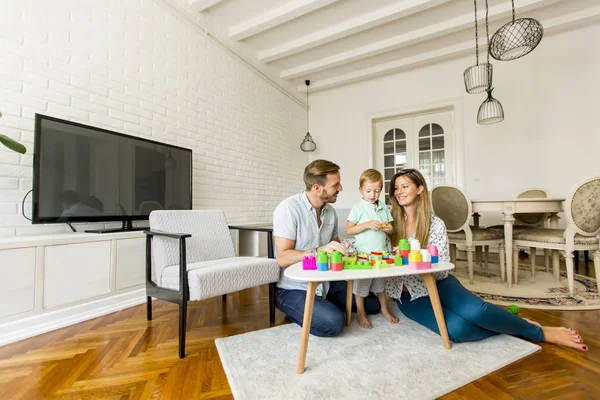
x=478 y=77
x=490 y=111
x=308 y=143
x=517 y=38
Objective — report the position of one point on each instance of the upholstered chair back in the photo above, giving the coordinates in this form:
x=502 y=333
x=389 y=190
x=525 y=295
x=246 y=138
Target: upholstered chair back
x=210 y=239
x=582 y=207
x=532 y=218
x=451 y=204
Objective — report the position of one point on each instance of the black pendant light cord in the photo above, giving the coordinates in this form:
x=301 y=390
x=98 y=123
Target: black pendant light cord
x=307 y=107
x=487 y=37
x=476 y=36
x=513 y=10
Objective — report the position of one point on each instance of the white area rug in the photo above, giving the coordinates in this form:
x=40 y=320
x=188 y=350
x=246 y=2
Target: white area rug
x=401 y=361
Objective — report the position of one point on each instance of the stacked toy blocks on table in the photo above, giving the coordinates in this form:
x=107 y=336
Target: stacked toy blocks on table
x=419 y=259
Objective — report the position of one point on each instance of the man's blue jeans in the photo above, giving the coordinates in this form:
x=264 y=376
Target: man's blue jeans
x=468 y=318
x=328 y=317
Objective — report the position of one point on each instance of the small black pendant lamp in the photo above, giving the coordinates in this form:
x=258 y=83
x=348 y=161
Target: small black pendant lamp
x=307 y=144
x=478 y=77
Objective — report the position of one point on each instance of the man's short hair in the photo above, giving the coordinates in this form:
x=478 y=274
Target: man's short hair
x=317 y=171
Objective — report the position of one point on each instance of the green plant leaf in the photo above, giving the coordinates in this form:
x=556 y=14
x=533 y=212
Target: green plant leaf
x=12 y=144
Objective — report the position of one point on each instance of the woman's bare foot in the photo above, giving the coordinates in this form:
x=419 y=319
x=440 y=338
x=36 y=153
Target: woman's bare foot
x=533 y=322
x=389 y=316
x=564 y=337
x=363 y=321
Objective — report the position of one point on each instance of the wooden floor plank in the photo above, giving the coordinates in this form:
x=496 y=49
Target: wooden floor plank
x=123 y=356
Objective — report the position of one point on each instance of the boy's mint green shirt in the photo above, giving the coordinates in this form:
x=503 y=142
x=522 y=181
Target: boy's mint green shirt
x=369 y=240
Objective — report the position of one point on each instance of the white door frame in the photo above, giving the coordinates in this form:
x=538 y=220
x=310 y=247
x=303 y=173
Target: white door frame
x=453 y=104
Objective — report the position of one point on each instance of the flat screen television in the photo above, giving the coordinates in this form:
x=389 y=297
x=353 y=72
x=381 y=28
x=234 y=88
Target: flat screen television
x=87 y=174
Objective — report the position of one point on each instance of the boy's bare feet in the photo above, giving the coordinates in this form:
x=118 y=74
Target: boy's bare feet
x=363 y=321
x=389 y=316
x=564 y=336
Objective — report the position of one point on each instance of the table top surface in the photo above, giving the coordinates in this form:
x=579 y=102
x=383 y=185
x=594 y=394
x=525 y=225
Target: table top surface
x=296 y=272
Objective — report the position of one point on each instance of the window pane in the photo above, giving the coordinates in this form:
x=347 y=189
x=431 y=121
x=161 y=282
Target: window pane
x=387 y=200
x=424 y=144
x=425 y=157
x=438 y=157
x=436 y=129
x=400 y=134
x=437 y=142
x=389 y=173
x=424 y=132
x=401 y=146
x=388 y=161
x=388 y=148
x=389 y=135
x=401 y=159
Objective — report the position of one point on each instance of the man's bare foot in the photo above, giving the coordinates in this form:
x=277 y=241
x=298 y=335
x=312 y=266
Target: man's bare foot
x=363 y=321
x=564 y=337
x=533 y=322
x=389 y=316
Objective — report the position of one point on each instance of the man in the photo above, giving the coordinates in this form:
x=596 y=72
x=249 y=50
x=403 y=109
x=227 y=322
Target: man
x=303 y=225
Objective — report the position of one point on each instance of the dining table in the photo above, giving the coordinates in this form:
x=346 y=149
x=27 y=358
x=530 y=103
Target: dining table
x=510 y=207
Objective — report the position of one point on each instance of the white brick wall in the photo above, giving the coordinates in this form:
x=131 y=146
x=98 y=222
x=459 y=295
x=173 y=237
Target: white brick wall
x=132 y=67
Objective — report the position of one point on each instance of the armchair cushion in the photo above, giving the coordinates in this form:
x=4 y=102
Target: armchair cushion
x=216 y=277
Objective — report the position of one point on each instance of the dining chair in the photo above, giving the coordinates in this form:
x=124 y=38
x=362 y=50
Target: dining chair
x=582 y=213
x=453 y=206
x=190 y=256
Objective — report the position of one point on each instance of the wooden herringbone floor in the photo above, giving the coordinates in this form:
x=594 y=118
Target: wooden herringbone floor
x=122 y=356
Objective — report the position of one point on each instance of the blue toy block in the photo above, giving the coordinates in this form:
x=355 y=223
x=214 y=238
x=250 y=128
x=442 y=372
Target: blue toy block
x=434 y=259
x=322 y=267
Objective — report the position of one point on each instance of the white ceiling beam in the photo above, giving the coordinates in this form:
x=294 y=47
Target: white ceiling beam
x=276 y=16
x=429 y=32
x=551 y=25
x=202 y=5
x=348 y=27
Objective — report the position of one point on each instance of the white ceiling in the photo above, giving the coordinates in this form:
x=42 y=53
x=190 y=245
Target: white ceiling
x=338 y=42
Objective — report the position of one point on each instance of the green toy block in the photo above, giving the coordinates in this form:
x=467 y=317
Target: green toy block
x=513 y=309
x=403 y=244
x=398 y=260
x=381 y=264
x=357 y=265
x=322 y=257
x=336 y=257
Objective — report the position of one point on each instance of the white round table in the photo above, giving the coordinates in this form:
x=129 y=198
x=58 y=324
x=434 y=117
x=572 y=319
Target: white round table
x=314 y=278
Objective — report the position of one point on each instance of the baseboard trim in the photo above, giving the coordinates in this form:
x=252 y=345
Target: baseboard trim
x=14 y=331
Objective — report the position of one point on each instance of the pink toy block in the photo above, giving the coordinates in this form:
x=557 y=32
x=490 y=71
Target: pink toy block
x=433 y=250
x=419 y=265
x=309 y=263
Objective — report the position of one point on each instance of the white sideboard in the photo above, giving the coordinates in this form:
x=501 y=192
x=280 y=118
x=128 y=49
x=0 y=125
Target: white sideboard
x=51 y=281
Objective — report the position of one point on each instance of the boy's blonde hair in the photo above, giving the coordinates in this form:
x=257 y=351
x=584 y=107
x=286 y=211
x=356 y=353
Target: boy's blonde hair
x=370 y=175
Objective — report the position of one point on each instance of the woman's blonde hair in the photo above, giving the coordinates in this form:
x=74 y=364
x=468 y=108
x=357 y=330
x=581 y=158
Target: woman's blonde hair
x=423 y=206
x=370 y=175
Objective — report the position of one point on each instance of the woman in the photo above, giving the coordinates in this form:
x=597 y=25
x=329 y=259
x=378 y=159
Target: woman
x=468 y=318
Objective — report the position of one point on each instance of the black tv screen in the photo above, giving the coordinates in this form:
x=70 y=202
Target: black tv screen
x=83 y=173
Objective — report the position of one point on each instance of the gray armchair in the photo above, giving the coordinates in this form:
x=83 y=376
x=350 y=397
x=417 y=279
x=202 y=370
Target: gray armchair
x=194 y=259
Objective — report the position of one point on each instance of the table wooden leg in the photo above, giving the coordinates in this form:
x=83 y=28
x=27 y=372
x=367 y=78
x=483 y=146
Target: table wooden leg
x=350 y=286
x=509 y=220
x=437 y=309
x=308 y=310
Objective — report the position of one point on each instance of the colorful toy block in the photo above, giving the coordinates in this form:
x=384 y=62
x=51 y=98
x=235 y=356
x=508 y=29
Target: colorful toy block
x=309 y=263
x=404 y=247
x=336 y=261
x=418 y=259
x=433 y=250
x=380 y=264
x=323 y=261
x=357 y=265
x=398 y=260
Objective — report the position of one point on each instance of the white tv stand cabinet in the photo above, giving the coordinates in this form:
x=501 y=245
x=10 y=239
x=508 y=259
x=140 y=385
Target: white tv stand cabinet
x=51 y=281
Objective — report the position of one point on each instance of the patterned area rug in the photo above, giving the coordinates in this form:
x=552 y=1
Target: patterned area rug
x=541 y=291
x=400 y=361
